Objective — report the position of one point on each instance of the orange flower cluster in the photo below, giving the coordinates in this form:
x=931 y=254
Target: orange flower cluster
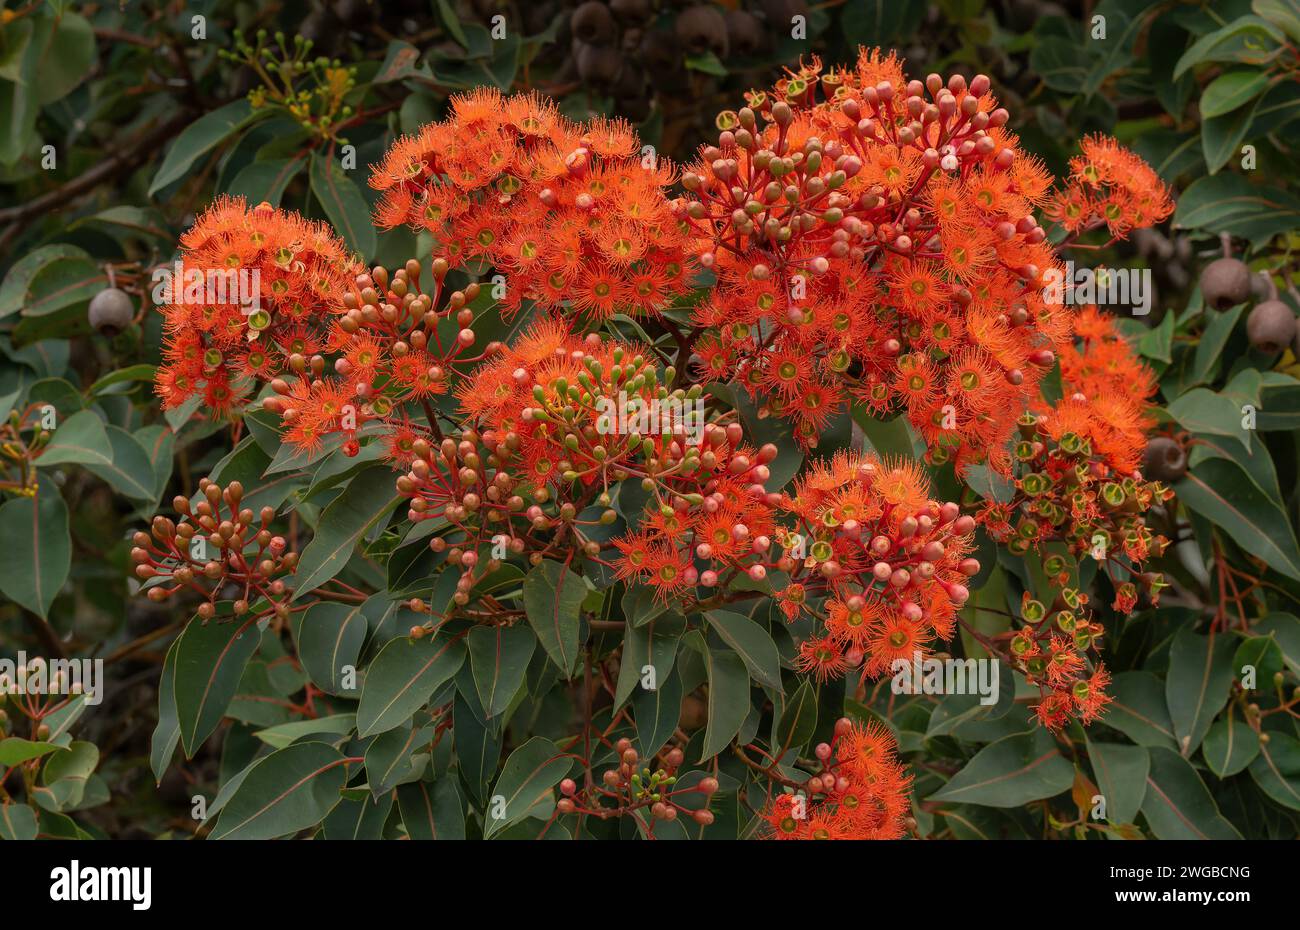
x=246 y=301
x=572 y=214
x=889 y=560
x=861 y=793
x=1076 y=475
x=393 y=345
x=1106 y=393
x=1112 y=187
x=558 y=420
x=879 y=245
x=1051 y=650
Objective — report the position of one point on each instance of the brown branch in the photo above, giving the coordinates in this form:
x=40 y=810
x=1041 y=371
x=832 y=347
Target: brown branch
x=124 y=159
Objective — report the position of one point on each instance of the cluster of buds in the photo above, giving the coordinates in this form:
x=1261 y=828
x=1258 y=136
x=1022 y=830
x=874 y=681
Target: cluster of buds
x=573 y=215
x=394 y=344
x=59 y=685
x=708 y=521
x=1066 y=493
x=250 y=291
x=879 y=564
x=558 y=429
x=464 y=482
x=219 y=551
x=881 y=241
x=860 y=792
x=630 y=786
x=18 y=451
x=1051 y=650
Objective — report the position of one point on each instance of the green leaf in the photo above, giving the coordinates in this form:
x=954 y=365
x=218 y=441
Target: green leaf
x=1011 y=772
x=330 y=636
x=35 y=531
x=553 y=596
x=81 y=439
x=452 y=22
x=1247 y=40
x=432 y=811
x=797 y=721
x=123 y=376
x=707 y=63
x=1222 y=492
x=40 y=548
x=1177 y=805
x=210 y=660
x=369 y=498
x=526 y=782
x=57 y=54
x=1121 y=773
x=653 y=645
x=17 y=822
x=1228 y=203
x=265 y=180
x=290 y=790
x=388 y=758
x=401 y=61
x=751 y=642
x=478 y=747
x=66 y=775
x=985 y=613
x=1221 y=136
x=1285 y=630
x=1138 y=709
x=880 y=22
x=499 y=658
x=1062 y=64
x=64 y=282
x=728 y=703
x=1218 y=328
x=17 y=281
x=1277 y=769
x=284 y=734
x=360 y=819
x=67 y=58
x=1203 y=411
x=344 y=204
x=15 y=750
x=640 y=605
x=657 y=712
x=131 y=472
x=1230 y=745
x=1285 y=14
x=1157 y=342
x=403 y=677
x=1231 y=90
x=1263 y=655
x=1257 y=463
x=887 y=437
x=167 y=733
x=1198 y=684
x=964 y=707
x=201 y=137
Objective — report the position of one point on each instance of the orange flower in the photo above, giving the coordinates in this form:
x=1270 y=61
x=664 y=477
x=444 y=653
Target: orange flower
x=247 y=281
x=508 y=180
x=1111 y=186
x=922 y=245
x=862 y=794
